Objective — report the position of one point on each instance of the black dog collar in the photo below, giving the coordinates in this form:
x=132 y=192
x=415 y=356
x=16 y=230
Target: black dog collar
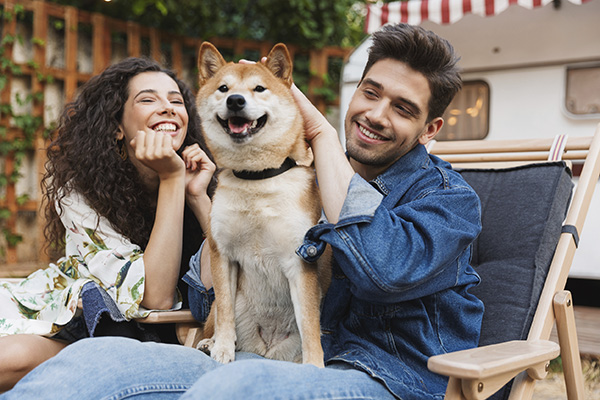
x=266 y=173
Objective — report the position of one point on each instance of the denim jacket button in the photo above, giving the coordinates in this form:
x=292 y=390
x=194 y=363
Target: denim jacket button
x=311 y=251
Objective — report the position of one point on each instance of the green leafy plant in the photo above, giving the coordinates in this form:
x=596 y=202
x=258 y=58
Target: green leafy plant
x=25 y=124
x=306 y=23
x=329 y=90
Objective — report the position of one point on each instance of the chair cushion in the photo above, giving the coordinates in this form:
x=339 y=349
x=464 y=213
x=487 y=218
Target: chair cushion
x=523 y=209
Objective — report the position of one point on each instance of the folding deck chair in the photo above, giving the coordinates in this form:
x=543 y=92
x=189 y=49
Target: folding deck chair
x=523 y=255
x=531 y=226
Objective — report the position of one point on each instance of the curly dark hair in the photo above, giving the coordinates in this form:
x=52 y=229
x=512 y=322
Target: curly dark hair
x=84 y=155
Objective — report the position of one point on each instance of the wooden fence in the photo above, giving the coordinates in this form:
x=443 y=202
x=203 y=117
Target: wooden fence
x=54 y=49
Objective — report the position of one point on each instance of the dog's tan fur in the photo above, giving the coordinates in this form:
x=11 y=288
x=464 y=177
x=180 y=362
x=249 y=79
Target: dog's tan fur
x=267 y=297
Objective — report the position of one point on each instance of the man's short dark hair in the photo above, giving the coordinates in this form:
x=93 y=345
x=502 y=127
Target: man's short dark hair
x=425 y=52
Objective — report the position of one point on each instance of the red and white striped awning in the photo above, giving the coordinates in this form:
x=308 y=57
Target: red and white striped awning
x=440 y=11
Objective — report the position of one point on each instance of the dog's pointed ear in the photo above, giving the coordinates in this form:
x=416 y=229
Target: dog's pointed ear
x=209 y=61
x=280 y=63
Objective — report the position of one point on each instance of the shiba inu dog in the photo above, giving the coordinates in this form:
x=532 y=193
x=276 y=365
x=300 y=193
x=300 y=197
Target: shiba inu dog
x=267 y=297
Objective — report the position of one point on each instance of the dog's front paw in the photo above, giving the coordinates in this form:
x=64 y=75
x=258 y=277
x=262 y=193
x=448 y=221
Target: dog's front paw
x=206 y=345
x=223 y=353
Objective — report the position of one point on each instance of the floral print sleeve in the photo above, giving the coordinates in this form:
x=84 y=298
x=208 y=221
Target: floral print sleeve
x=94 y=252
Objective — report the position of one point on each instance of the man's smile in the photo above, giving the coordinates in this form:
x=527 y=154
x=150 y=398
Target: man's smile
x=369 y=134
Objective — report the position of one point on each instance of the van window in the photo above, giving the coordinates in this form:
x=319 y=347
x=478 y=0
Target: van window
x=467 y=116
x=583 y=90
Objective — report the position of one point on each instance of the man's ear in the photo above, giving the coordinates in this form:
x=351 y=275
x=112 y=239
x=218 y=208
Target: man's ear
x=431 y=130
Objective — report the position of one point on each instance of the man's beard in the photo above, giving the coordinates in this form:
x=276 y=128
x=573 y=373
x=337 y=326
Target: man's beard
x=376 y=159
x=370 y=158
x=367 y=155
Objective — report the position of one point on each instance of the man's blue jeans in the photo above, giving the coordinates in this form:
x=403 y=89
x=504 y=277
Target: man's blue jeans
x=120 y=368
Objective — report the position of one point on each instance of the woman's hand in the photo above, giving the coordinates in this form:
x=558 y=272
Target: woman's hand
x=155 y=151
x=199 y=172
x=162 y=255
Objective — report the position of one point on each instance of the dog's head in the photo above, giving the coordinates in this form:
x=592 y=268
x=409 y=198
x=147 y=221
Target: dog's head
x=248 y=114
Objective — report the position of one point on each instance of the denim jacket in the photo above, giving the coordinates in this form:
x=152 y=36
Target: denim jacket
x=399 y=291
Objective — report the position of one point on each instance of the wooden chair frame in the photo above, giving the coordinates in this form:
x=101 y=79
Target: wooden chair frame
x=188 y=330
x=480 y=372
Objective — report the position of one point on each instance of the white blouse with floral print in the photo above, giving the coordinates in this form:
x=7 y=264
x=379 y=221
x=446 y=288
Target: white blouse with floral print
x=47 y=299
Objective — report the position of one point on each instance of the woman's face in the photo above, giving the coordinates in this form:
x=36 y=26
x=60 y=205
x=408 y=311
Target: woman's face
x=156 y=103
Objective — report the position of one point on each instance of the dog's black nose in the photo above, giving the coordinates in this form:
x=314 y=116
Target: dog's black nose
x=236 y=102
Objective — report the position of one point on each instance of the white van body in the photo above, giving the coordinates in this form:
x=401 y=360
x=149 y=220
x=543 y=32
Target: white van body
x=523 y=55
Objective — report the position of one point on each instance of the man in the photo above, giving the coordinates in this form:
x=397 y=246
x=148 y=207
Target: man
x=400 y=223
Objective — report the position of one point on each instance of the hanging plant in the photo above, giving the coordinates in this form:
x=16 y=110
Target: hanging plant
x=24 y=125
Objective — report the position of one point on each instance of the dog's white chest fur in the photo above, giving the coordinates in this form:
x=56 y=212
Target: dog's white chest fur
x=258 y=222
x=258 y=225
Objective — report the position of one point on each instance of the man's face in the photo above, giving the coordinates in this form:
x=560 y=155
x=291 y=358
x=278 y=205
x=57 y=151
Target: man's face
x=387 y=117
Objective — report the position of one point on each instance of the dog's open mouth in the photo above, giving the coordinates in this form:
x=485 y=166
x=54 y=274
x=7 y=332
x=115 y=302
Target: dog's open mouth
x=241 y=128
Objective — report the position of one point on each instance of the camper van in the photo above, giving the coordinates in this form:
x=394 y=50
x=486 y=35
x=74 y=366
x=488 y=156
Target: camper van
x=528 y=73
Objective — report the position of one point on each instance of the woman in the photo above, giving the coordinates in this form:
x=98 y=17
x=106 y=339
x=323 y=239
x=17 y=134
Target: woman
x=125 y=162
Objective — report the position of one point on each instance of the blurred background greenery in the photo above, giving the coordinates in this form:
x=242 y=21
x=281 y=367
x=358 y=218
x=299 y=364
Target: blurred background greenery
x=307 y=23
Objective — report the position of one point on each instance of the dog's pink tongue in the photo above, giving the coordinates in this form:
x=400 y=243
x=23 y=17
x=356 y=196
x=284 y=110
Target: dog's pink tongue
x=238 y=128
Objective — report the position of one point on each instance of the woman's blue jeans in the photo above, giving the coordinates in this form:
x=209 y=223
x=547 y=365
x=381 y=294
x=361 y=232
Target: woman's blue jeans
x=121 y=368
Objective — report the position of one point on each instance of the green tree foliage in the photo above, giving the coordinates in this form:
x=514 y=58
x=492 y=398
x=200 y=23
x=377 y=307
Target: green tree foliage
x=311 y=23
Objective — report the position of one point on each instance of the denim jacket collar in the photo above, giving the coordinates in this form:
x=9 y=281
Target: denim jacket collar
x=402 y=169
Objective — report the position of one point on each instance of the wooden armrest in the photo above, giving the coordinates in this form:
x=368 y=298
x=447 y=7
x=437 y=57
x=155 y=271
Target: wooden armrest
x=188 y=330
x=487 y=361
x=167 y=317
x=484 y=370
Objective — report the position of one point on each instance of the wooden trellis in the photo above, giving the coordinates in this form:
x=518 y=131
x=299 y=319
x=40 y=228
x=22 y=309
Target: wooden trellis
x=71 y=46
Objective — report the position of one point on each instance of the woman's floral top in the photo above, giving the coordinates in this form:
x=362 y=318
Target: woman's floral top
x=48 y=298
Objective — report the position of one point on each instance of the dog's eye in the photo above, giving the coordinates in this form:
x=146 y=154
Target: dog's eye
x=259 y=89
x=223 y=88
